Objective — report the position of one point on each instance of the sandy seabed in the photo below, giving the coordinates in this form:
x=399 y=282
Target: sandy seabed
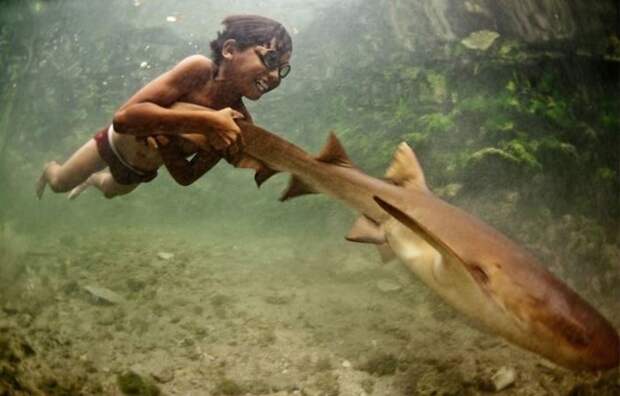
x=269 y=314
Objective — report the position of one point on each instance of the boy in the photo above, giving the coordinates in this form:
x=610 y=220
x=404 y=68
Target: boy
x=250 y=57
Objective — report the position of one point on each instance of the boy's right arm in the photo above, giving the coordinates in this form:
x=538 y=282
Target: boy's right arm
x=148 y=112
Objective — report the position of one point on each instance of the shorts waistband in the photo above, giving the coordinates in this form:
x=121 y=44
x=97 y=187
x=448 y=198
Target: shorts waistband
x=111 y=132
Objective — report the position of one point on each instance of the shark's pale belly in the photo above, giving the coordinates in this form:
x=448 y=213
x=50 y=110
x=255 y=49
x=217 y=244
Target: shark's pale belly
x=451 y=281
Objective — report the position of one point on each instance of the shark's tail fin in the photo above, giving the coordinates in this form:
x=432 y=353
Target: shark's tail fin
x=405 y=169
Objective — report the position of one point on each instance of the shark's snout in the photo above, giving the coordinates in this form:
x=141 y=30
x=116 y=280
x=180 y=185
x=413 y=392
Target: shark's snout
x=603 y=352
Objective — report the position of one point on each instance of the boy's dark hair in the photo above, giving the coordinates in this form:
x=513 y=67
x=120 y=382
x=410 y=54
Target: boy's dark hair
x=249 y=30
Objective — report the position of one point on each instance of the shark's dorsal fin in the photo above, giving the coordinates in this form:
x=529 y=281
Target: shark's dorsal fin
x=296 y=187
x=333 y=152
x=365 y=230
x=405 y=170
x=386 y=253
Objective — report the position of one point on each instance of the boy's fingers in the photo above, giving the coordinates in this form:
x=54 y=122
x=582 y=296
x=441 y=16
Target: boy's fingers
x=232 y=136
x=228 y=140
x=151 y=142
x=220 y=143
x=236 y=114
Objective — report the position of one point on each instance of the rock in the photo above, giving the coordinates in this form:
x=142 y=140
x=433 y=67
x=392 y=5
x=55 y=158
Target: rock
x=480 y=40
x=165 y=255
x=449 y=190
x=346 y=364
x=388 y=286
x=279 y=298
x=131 y=383
x=163 y=375
x=103 y=295
x=10 y=309
x=24 y=320
x=503 y=378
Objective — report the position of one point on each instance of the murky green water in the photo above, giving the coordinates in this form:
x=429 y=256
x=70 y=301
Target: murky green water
x=218 y=288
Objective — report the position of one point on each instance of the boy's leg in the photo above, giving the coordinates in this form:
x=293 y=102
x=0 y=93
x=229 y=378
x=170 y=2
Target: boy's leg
x=104 y=181
x=62 y=178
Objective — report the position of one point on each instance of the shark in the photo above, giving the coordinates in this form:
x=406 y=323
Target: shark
x=472 y=266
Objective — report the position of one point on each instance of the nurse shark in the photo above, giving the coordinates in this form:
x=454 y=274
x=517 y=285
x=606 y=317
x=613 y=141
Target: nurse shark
x=472 y=266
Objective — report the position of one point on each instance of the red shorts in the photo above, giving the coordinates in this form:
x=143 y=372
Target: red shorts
x=120 y=172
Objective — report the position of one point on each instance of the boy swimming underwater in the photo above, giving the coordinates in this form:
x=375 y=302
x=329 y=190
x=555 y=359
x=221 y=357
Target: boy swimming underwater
x=250 y=58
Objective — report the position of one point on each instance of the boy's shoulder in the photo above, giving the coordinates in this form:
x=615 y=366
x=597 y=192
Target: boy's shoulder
x=199 y=64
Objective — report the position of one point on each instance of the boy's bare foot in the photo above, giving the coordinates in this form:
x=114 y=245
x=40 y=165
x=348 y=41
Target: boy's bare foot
x=42 y=182
x=73 y=194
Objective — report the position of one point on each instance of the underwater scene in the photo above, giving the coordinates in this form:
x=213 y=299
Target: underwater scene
x=318 y=197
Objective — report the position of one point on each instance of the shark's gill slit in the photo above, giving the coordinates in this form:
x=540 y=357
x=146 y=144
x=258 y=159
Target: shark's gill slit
x=479 y=274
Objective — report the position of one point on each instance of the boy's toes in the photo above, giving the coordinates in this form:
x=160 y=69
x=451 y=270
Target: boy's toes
x=40 y=186
x=42 y=182
x=73 y=194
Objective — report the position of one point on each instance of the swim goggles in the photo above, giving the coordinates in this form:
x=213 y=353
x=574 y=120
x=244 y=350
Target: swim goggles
x=271 y=60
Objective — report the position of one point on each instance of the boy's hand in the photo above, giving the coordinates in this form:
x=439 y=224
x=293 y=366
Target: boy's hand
x=157 y=141
x=226 y=134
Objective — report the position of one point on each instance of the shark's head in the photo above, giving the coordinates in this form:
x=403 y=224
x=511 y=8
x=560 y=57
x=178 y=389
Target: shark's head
x=503 y=287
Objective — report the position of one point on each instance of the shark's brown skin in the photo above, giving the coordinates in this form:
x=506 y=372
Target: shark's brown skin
x=472 y=266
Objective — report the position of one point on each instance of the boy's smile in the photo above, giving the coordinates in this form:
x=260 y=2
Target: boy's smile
x=258 y=69
x=269 y=71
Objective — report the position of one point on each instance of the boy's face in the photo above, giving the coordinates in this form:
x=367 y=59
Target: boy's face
x=256 y=75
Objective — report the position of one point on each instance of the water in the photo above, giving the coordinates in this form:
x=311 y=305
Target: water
x=224 y=289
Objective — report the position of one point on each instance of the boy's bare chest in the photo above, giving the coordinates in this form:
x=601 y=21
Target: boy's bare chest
x=200 y=97
x=204 y=97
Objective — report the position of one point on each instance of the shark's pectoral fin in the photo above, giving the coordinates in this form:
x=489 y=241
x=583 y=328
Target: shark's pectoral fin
x=405 y=170
x=248 y=162
x=386 y=253
x=296 y=187
x=263 y=172
x=475 y=271
x=365 y=230
x=334 y=153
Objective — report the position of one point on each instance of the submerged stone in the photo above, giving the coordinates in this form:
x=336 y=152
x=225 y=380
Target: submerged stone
x=165 y=255
x=103 y=295
x=131 y=383
x=163 y=375
x=480 y=40
x=388 y=286
x=503 y=378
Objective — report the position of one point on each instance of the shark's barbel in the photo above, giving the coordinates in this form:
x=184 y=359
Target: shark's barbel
x=471 y=265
